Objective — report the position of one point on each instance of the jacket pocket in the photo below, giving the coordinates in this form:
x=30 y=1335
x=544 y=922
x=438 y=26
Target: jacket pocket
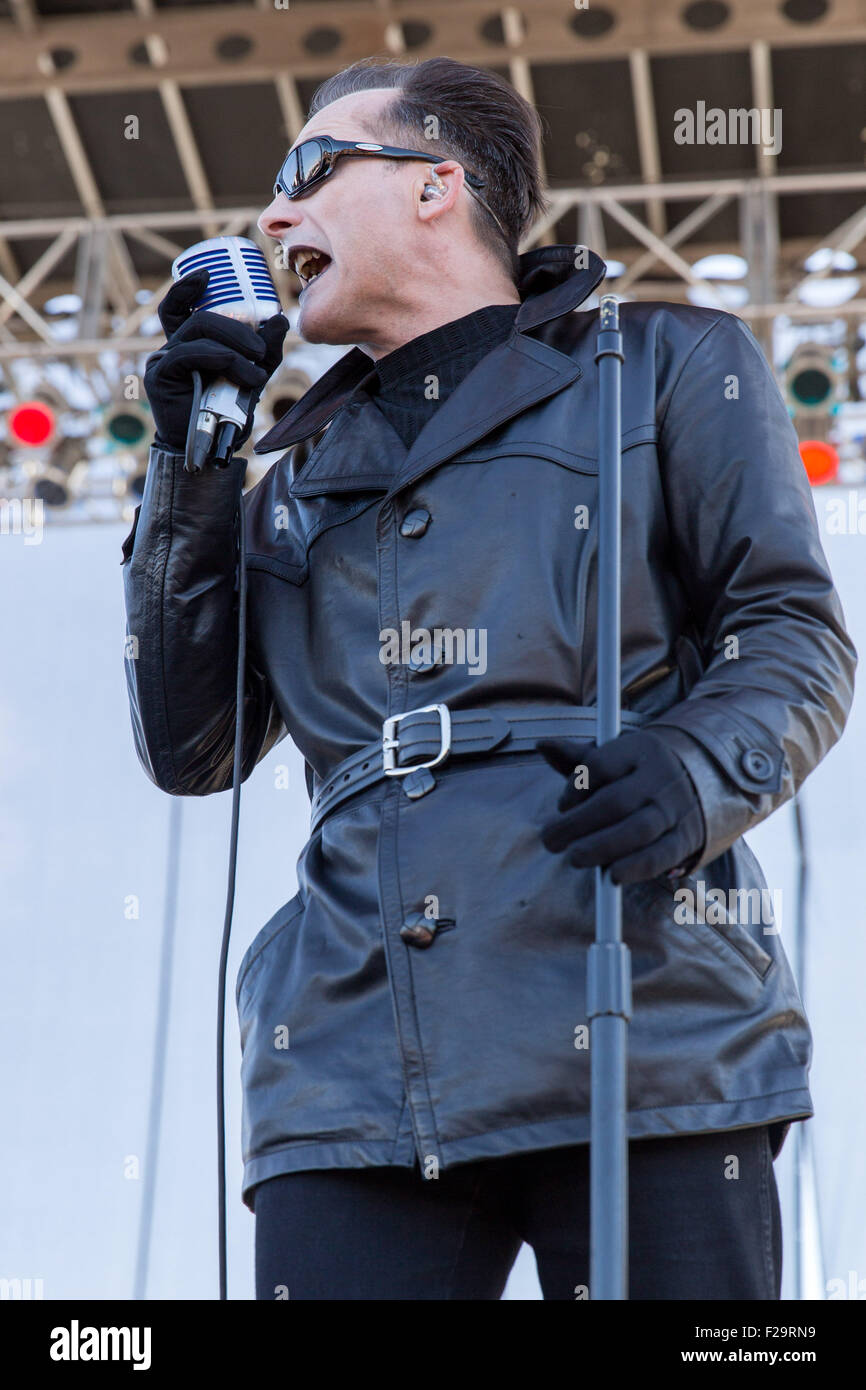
x=689 y=661
x=129 y=543
x=282 y=918
x=581 y=457
x=530 y=448
x=307 y=519
x=663 y=687
x=296 y=571
x=714 y=920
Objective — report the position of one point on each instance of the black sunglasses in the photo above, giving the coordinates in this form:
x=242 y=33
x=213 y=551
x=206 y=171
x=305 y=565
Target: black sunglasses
x=311 y=162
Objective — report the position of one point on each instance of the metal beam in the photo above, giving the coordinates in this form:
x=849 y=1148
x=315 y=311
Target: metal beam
x=677 y=189
x=26 y=312
x=661 y=248
x=103 y=41
x=760 y=62
x=844 y=238
x=93 y=347
x=37 y=272
x=74 y=152
x=90 y=279
x=758 y=233
x=187 y=150
x=154 y=242
x=8 y=264
x=291 y=109
x=559 y=203
x=713 y=193
x=520 y=72
x=855 y=308
x=24 y=15
x=124 y=281
x=845 y=181
x=647 y=133
x=680 y=233
x=590 y=229
x=760 y=210
x=135 y=346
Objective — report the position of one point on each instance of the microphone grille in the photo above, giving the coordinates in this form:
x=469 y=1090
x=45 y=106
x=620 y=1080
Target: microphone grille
x=239 y=280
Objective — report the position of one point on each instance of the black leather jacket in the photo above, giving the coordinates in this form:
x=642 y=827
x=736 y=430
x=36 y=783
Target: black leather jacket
x=468 y=1048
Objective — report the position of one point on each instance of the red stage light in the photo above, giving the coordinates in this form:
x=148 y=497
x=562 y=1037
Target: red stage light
x=821 y=461
x=31 y=423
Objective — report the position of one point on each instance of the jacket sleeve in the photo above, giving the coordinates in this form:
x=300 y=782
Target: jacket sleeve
x=779 y=665
x=179 y=576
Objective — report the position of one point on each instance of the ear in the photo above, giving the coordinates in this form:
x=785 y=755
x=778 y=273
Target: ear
x=451 y=175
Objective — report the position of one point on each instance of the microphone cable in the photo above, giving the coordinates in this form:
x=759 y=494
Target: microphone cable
x=240 y=519
x=804 y=1149
x=230 y=889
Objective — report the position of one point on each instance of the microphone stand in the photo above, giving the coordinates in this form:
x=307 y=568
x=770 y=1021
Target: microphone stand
x=609 y=961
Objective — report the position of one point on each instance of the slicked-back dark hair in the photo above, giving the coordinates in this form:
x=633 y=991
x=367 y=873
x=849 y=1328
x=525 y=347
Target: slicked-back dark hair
x=481 y=121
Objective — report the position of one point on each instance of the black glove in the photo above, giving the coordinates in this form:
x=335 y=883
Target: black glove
x=639 y=813
x=212 y=344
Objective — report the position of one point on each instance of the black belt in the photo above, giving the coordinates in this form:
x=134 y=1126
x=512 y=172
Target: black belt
x=435 y=733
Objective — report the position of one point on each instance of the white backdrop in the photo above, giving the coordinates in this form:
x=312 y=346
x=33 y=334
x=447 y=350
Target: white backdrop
x=84 y=847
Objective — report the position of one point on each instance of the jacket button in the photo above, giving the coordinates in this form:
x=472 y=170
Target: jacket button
x=418 y=931
x=422 y=667
x=415 y=523
x=757 y=764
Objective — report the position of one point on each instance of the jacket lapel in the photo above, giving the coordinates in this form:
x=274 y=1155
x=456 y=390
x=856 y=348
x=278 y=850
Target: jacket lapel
x=510 y=379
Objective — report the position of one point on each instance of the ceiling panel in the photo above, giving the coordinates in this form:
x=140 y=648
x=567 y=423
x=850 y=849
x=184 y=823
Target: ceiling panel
x=821 y=92
x=815 y=214
x=718 y=80
x=34 y=177
x=132 y=174
x=241 y=138
x=590 y=133
x=54 y=8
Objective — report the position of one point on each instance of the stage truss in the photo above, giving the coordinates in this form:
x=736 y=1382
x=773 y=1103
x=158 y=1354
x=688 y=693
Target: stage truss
x=628 y=196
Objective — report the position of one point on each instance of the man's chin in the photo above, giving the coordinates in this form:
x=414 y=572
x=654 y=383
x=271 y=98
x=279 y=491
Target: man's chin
x=317 y=323
x=315 y=327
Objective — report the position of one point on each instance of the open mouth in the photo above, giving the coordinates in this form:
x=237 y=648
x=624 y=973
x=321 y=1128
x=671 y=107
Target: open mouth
x=308 y=263
x=317 y=276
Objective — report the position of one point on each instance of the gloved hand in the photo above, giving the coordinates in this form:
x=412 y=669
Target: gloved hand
x=639 y=812
x=212 y=344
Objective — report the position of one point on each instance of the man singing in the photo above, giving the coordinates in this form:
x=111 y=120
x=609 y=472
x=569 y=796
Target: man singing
x=421 y=621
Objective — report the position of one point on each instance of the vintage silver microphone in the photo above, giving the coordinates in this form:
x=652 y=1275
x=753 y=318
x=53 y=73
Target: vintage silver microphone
x=239 y=286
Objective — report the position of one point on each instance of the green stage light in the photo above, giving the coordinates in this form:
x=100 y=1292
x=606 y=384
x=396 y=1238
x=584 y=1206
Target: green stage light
x=125 y=428
x=811 y=386
x=814 y=380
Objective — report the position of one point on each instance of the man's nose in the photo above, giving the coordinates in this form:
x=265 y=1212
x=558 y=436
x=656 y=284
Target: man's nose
x=278 y=217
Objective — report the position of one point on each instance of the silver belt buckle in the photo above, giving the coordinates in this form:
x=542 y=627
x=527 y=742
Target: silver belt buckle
x=390 y=743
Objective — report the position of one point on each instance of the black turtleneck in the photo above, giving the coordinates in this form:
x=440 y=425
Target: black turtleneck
x=448 y=353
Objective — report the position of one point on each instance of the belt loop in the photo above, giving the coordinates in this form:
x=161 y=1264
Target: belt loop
x=419 y=782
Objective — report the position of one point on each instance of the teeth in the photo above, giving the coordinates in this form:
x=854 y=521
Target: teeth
x=302 y=260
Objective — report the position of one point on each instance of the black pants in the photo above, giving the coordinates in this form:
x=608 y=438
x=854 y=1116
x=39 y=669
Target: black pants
x=704 y=1223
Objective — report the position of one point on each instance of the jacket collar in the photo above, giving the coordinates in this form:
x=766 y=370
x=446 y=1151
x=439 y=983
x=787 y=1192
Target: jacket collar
x=549 y=286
